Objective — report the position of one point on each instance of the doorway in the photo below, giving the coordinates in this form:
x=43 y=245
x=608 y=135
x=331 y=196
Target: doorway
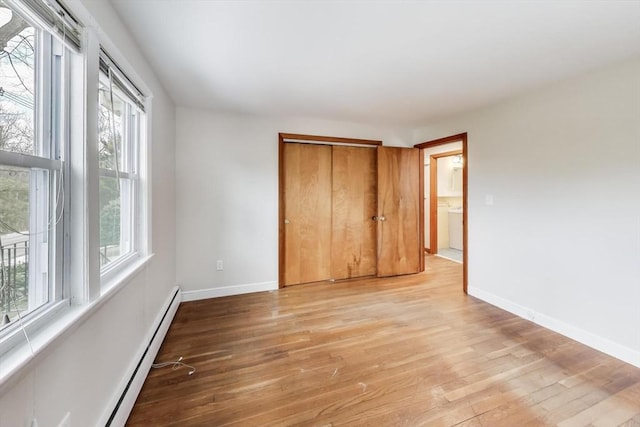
x=444 y=196
x=434 y=151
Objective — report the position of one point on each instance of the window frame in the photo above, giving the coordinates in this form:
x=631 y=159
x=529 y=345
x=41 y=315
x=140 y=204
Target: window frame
x=51 y=103
x=134 y=119
x=84 y=287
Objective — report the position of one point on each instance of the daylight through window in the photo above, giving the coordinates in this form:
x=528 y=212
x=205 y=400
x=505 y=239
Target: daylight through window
x=72 y=188
x=119 y=133
x=31 y=167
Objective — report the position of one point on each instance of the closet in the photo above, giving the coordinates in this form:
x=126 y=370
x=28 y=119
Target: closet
x=348 y=211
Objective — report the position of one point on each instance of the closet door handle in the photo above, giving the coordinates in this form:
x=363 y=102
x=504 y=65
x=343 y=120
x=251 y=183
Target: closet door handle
x=378 y=218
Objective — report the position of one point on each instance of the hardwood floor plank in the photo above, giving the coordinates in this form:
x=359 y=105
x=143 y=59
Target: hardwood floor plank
x=404 y=351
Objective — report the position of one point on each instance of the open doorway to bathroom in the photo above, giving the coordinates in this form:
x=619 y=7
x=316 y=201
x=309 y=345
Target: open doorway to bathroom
x=444 y=195
x=445 y=198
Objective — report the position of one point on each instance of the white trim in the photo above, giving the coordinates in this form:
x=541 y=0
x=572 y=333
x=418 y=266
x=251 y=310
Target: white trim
x=224 y=291
x=131 y=383
x=14 y=333
x=120 y=174
x=10 y=158
x=85 y=190
x=17 y=361
x=80 y=11
x=121 y=277
x=602 y=344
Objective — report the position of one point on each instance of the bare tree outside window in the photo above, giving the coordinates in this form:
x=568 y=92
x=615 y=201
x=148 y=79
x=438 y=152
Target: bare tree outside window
x=110 y=120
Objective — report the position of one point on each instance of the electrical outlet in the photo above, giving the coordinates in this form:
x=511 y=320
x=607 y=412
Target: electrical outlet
x=219 y=265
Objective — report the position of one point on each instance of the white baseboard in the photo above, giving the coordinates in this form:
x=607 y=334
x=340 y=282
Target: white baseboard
x=229 y=290
x=599 y=343
x=122 y=404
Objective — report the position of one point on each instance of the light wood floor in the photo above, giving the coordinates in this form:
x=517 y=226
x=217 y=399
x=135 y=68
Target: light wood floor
x=406 y=351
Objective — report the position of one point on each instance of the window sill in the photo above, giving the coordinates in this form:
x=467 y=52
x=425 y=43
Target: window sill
x=15 y=362
x=113 y=281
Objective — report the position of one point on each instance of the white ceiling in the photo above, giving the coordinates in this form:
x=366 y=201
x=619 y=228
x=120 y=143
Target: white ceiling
x=393 y=62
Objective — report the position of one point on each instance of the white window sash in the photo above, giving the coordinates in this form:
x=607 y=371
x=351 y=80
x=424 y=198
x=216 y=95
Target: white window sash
x=46 y=198
x=110 y=173
x=28 y=161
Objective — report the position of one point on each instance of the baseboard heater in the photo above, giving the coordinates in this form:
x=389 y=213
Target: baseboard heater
x=126 y=401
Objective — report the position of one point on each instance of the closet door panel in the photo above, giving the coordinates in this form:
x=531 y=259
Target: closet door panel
x=307 y=201
x=399 y=198
x=353 y=247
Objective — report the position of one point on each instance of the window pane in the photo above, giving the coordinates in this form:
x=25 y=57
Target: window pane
x=117 y=139
x=17 y=83
x=109 y=220
x=110 y=130
x=115 y=219
x=24 y=223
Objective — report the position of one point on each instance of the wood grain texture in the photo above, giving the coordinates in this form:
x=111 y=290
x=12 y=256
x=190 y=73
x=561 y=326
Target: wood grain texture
x=399 y=199
x=307 y=211
x=281 y=218
x=353 y=244
x=421 y=211
x=328 y=139
x=433 y=205
x=465 y=215
x=442 y=141
x=401 y=351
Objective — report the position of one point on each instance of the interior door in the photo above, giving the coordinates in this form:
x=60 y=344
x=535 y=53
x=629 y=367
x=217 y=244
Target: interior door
x=398 y=215
x=353 y=247
x=307 y=212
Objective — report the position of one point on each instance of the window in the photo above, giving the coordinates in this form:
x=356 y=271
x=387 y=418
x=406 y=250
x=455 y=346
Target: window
x=62 y=195
x=32 y=66
x=119 y=131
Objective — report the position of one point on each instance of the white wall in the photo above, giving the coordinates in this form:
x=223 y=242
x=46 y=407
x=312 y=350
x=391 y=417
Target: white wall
x=227 y=195
x=82 y=372
x=558 y=245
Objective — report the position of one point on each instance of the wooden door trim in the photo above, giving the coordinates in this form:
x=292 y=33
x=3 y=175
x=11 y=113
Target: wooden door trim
x=433 y=206
x=295 y=137
x=465 y=174
x=281 y=273
x=421 y=210
x=441 y=141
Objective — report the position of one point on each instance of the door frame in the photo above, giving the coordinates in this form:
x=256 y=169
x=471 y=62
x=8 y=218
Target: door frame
x=461 y=137
x=284 y=138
